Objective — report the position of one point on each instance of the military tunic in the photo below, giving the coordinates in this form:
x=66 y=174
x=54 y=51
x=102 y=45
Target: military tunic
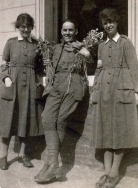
x=67 y=91
x=114 y=113
x=22 y=114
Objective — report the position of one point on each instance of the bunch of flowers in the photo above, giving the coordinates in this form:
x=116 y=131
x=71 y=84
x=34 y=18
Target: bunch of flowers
x=93 y=38
x=90 y=42
x=45 y=48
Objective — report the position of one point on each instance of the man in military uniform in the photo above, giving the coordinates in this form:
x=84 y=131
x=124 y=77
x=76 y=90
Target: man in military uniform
x=68 y=89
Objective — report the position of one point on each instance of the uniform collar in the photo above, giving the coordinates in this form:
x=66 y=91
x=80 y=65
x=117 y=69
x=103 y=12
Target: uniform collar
x=115 y=38
x=71 y=46
x=20 y=38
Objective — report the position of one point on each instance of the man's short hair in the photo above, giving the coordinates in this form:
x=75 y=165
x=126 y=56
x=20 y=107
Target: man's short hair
x=71 y=21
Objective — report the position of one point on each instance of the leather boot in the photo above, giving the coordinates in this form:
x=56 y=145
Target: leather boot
x=53 y=171
x=25 y=161
x=42 y=171
x=3 y=163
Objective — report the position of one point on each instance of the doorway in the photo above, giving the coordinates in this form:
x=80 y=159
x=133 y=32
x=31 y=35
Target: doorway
x=86 y=14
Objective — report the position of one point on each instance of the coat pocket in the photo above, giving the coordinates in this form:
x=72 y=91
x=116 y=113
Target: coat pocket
x=96 y=94
x=7 y=93
x=125 y=93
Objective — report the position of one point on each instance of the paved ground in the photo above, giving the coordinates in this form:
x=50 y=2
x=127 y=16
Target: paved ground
x=18 y=176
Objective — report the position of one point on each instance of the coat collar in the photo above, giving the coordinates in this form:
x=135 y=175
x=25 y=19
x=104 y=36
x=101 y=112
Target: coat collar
x=20 y=38
x=71 y=46
x=115 y=38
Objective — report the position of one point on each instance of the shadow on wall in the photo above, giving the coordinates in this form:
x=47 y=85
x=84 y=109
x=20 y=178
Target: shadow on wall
x=74 y=133
x=36 y=145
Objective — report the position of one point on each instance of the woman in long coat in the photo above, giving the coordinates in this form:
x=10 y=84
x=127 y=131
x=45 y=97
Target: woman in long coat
x=114 y=98
x=21 y=70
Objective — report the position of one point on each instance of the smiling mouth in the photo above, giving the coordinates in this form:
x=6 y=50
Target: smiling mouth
x=68 y=36
x=25 y=32
x=109 y=29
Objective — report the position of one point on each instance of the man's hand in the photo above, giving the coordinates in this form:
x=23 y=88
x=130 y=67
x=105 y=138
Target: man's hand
x=8 y=82
x=85 y=52
x=136 y=96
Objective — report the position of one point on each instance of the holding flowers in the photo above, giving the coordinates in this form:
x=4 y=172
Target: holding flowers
x=45 y=48
x=68 y=88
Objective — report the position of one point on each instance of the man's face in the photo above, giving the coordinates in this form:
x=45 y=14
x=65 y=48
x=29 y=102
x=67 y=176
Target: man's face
x=68 y=31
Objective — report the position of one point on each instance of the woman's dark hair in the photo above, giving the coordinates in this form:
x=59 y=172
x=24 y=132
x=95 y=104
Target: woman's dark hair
x=109 y=14
x=24 y=18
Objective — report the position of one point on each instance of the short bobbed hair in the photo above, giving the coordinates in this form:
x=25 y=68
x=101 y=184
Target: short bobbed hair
x=24 y=19
x=109 y=14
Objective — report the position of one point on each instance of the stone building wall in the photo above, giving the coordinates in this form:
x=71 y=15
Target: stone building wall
x=9 y=10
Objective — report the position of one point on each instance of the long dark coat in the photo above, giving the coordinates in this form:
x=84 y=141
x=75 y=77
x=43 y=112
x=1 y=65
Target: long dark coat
x=114 y=115
x=21 y=115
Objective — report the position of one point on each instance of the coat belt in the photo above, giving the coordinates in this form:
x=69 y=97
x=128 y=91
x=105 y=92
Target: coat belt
x=21 y=65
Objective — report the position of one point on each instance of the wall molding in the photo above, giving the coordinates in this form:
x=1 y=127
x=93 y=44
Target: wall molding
x=40 y=19
x=133 y=22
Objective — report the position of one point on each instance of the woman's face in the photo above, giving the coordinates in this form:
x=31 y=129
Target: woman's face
x=25 y=30
x=110 y=27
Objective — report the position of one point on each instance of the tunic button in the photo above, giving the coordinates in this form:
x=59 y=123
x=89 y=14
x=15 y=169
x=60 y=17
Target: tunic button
x=24 y=47
x=109 y=55
x=109 y=72
x=108 y=82
x=110 y=46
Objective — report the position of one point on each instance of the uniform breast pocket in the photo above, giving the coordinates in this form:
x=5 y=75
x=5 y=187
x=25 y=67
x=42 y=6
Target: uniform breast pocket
x=125 y=93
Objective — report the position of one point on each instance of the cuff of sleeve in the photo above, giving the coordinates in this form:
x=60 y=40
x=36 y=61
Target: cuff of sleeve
x=3 y=78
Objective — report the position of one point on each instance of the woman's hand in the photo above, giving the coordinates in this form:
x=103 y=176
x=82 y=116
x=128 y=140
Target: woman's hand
x=136 y=96
x=99 y=63
x=8 y=82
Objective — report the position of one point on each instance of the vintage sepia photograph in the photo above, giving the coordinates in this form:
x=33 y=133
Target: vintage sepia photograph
x=69 y=94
